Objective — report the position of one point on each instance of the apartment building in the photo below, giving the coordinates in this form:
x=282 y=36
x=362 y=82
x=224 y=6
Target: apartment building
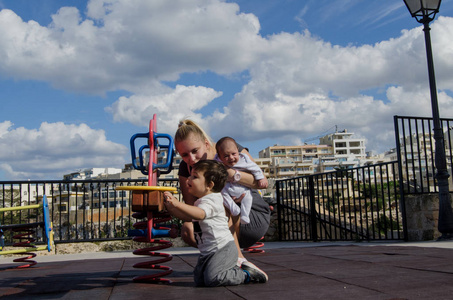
x=289 y=161
x=337 y=150
x=344 y=145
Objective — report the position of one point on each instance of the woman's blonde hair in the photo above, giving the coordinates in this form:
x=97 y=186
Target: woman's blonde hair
x=186 y=127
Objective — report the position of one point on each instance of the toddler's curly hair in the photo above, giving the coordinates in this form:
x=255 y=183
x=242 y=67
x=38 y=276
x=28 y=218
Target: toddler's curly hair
x=213 y=171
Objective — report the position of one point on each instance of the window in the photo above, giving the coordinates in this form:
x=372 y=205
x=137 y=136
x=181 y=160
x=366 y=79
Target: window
x=278 y=152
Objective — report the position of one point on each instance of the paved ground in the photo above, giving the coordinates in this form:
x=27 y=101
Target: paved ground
x=295 y=270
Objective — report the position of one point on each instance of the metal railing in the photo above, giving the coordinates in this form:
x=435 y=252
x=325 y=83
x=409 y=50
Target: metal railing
x=81 y=210
x=364 y=203
x=415 y=147
x=353 y=204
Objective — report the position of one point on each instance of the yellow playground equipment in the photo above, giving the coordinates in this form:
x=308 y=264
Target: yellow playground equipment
x=23 y=234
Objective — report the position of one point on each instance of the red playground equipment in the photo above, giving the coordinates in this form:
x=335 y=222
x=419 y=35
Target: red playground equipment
x=147 y=204
x=256 y=248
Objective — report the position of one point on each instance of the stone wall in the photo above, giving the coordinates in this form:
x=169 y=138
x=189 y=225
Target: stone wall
x=422 y=213
x=108 y=246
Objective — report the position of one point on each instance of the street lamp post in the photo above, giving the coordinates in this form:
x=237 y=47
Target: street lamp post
x=424 y=11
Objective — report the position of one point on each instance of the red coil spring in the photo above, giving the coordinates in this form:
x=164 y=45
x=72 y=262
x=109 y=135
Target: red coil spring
x=255 y=247
x=25 y=240
x=160 y=244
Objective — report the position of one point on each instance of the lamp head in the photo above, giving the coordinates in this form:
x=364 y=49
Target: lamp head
x=424 y=11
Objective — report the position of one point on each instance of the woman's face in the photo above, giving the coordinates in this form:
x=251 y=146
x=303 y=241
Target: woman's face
x=193 y=149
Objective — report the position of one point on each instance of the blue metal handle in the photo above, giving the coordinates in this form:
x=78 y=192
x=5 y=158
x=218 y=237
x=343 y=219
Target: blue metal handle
x=168 y=166
x=141 y=164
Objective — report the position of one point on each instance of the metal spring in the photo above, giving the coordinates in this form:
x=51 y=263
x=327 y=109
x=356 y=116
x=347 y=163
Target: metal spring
x=151 y=224
x=25 y=240
x=255 y=247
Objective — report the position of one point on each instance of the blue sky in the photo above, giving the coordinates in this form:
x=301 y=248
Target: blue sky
x=79 y=78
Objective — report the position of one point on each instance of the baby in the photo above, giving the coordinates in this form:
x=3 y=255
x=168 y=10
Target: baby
x=229 y=154
x=216 y=264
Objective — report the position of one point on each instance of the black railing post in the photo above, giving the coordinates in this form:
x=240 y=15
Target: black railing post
x=279 y=210
x=313 y=220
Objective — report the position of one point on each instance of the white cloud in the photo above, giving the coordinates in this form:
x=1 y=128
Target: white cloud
x=124 y=45
x=55 y=149
x=171 y=105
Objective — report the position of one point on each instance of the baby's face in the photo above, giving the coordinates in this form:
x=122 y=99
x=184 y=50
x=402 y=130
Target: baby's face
x=229 y=154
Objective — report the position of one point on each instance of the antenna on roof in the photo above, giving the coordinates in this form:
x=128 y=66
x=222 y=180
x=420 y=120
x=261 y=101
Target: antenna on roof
x=328 y=131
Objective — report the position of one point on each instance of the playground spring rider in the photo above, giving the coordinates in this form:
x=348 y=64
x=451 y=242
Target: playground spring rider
x=147 y=203
x=24 y=232
x=256 y=248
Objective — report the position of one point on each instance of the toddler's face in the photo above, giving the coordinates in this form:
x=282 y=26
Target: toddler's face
x=196 y=184
x=229 y=154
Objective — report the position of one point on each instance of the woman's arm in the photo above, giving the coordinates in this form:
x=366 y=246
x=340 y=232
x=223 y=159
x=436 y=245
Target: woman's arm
x=247 y=179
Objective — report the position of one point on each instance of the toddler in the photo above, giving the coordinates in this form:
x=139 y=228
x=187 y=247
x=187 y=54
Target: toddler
x=216 y=264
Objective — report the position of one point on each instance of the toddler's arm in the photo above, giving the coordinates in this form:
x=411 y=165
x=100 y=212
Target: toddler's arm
x=182 y=210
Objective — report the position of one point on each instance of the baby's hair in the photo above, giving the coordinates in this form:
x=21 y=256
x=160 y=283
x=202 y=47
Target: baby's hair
x=213 y=171
x=186 y=127
x=220 y=142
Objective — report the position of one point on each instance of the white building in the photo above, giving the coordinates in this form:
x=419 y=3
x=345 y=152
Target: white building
x=91 y=173
x=344 y=145
x=337 y=150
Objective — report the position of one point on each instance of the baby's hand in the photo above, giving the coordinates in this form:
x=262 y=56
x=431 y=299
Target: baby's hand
x=262 y=183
